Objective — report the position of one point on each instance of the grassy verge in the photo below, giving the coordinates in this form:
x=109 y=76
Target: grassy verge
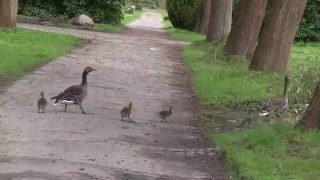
x=23 y=50
x=118 y=27
x=229 y=91
x=273 y=152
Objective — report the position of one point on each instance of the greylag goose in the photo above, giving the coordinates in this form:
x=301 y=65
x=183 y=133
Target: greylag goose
x=74 y=94
x=165 y=114
x=279 y=103
x=42 y=103
x=126 y=112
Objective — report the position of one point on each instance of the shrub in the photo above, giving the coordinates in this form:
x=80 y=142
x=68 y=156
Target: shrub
x=310 y=24
x=35 y=11
x=140 y=4
x=183 y=13
x=102 y=11
x=37 y=7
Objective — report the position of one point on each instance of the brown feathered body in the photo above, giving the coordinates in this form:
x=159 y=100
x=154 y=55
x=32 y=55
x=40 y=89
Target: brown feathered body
x=126 y=112
x=42 y=103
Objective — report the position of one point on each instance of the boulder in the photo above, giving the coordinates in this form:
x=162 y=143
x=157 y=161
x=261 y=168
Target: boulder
x=82 y=20
x=130 y=10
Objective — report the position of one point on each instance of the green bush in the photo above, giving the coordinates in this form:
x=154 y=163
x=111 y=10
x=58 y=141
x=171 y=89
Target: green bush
x=310 y=24
x=102 y=11
x=38 y=7
x=183 y=13
x=140 y=4
x=35 y=11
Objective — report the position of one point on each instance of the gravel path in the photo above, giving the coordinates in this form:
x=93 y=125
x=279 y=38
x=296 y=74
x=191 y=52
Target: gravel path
x=140 y=66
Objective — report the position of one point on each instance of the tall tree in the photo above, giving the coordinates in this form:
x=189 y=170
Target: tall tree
x=311 y=119
x=246 y=27
x=8 y=13
x=277 y=36
x=220 y=20
x=203 y=21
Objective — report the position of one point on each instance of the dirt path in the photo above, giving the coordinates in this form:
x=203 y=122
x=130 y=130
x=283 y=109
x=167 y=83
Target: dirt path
x=140 y=66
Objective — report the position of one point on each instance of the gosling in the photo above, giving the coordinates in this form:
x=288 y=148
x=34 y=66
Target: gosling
x=42 y=103
x=126 y=112
x=165 y=114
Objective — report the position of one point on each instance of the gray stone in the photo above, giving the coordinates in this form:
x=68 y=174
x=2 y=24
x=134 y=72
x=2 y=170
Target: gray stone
x=82 y=20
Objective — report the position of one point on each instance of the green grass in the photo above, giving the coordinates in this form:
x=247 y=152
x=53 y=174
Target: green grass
x=116 y=28
x=273 y=152
x=221 y=80
x=23 y=50
x=180 y=34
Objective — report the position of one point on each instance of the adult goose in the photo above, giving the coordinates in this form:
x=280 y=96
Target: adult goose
x=277 y=104
x=74 y=94
x=126 y=112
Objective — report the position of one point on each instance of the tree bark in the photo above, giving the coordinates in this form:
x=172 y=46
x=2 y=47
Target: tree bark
x=8 y=13
x=311 y=119
x=202 y=25
x=220 y=20
x=277 y=36
x=246 y=27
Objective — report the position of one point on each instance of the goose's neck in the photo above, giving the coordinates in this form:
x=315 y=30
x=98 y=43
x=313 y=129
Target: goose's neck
x=84 y=78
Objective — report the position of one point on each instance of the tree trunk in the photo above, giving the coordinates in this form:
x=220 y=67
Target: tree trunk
x=311 y=119
x=220 y=20
x=246 y=27
x=277 y=36
x=202 y=25
x=8 y=13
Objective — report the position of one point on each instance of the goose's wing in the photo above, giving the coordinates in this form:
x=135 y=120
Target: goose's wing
x=66 y=98
x=70 y=95
x=74 y=90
